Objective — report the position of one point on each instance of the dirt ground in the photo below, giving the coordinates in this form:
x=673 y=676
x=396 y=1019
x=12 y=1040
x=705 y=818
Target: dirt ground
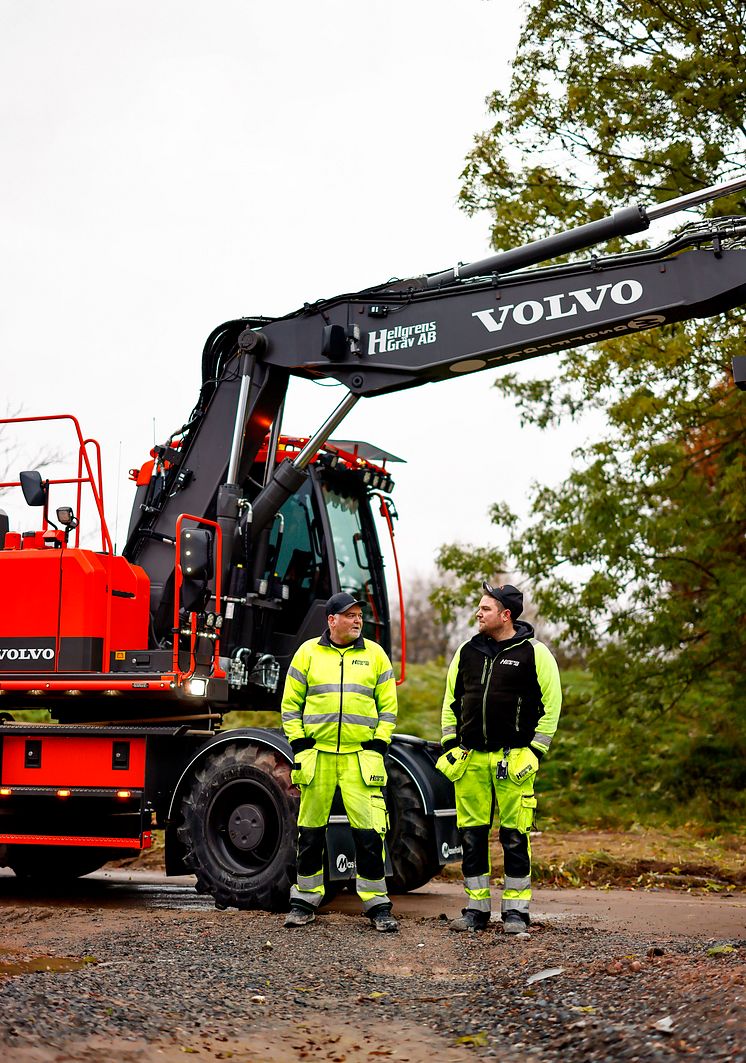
x=130 y=967
x=641 y=857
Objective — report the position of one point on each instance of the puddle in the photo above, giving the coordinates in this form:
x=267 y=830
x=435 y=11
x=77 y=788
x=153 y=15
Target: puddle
x=42 y=964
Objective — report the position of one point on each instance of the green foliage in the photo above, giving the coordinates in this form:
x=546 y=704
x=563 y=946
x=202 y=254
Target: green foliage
x=639 y=555
x=610 y=100
x=467 y=567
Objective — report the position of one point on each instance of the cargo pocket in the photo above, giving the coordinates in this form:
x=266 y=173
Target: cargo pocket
x=527 y=813
x=379 y=815
x=522 y=764
x=371 y=767
x=454 y=763
x=304 y=767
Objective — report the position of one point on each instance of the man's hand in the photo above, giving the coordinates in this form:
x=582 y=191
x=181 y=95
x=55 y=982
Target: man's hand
x=375 y=745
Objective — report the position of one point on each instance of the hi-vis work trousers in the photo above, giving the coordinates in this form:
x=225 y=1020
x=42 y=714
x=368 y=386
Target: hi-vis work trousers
x=478 y=792
x=366 y=810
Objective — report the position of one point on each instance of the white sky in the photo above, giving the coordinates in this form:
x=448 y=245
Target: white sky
x=172 y=164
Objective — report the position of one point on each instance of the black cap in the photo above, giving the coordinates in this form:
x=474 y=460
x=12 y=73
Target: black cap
x=340 y=603
x=508 y=596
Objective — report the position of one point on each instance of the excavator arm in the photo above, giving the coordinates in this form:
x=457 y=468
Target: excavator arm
x=395 y=337
x=505 y=308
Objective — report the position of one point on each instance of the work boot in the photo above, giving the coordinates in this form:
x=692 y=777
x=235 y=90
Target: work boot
x=299 y=916
x=514 y=922
x=383 y=920
x=470 y=919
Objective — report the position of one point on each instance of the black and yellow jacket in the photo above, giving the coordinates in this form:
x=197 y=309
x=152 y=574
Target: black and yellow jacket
x=502 y=694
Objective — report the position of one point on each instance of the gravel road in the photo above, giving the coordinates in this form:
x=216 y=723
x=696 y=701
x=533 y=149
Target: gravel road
x=84 y=980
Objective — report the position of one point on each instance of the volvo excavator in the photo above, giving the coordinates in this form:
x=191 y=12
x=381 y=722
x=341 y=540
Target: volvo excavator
x=238 y=535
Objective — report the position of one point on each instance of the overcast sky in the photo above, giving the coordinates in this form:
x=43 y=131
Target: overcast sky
x=172 y=164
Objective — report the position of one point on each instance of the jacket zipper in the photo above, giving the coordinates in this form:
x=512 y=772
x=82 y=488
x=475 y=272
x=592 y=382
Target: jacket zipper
x=341 y=697
x=518 y=715
x=484 y=701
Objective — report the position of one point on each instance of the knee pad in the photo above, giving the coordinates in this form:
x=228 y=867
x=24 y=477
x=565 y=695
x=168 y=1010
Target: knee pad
x=515 y=852
x=310 y=850
x=475 y=843
x=368 y=853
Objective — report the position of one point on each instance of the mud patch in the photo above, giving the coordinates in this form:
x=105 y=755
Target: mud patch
x=398 y=1042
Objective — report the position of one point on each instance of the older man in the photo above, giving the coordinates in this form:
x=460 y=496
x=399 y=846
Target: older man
x=339 y=712
x=500 y=711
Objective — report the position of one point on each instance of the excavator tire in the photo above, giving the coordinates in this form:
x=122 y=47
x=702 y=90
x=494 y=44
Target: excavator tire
x=238 y=827
x=411 y=846
x=53 y=864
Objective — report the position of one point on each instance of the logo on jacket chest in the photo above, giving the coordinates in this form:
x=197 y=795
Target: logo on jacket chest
x=356 y=660
x=507 y=660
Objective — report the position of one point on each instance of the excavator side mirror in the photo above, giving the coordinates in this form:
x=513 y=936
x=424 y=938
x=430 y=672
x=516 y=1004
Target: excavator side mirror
x=197 y=566
x=35 y=491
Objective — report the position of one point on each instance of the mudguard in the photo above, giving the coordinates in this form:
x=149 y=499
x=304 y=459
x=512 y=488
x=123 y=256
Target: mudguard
x=417 y=757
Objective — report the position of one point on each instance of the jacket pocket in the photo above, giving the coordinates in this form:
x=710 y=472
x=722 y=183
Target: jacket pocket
x=304 y=767
x=454 y=763
x=371 y=767
x=522 y=764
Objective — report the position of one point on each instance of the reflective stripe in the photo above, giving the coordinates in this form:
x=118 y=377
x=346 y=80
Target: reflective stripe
x=356 y=688
x=290 y=716
x=321 y=717
x=477 y=882
x=375 y=902
x=295 y=674
x=347 y=717
x=370 y=885
x=517 y=883
x=314 y=899
x=514 y=904
x=385 y=676
x=539 y=739
x=344 y=688
x=387 y=717
x=478 y=906
x=310 y=882
x=448 y=731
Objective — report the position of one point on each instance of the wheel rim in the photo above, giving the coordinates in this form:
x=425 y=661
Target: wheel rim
x=244 y=826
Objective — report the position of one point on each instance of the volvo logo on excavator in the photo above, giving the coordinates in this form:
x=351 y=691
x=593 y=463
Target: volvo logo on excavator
x=26 y=653
x=565 y=304
x=19 y=657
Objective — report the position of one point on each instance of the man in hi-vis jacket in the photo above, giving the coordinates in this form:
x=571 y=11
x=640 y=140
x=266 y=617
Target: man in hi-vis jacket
x=500 y=711
x=339 y=712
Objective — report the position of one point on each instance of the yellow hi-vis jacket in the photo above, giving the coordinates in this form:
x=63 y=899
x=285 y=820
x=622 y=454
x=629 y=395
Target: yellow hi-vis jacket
x=340 y=697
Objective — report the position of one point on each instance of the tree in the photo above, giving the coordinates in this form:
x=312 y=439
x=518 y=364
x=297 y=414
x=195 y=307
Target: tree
x=615 y=102
x=432 y=633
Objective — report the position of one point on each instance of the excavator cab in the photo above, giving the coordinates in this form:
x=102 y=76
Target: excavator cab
x=324 y=539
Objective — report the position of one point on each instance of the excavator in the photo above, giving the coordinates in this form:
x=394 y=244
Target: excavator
x=238 y=535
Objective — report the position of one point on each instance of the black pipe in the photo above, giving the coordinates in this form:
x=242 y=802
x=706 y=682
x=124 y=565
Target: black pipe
x=621 y=223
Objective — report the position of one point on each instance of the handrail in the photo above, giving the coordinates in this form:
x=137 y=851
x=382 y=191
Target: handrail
x=96 y=484
x=178 y=580
x=386 y=513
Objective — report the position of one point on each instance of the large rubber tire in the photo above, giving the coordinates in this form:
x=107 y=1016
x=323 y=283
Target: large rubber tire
x=238 y=827
x=411 y=845
x=53 y=864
